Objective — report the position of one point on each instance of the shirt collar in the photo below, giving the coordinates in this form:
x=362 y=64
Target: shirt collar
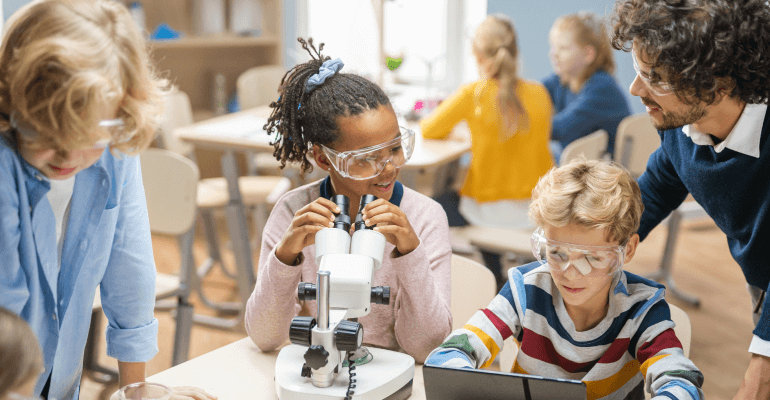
x=745 y=136
x=398 y=191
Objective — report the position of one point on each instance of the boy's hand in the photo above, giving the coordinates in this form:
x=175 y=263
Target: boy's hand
x=301 y=233
x=391 y=222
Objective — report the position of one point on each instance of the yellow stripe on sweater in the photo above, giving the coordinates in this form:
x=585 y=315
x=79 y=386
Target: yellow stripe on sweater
x=650 y=361
x=488 y=342
x=606 y=386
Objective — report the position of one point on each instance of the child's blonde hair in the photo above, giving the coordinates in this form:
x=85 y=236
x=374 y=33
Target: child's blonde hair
x=496 y=38
x=588 y=29
x=20 y=356
x=63 y=61
x=590 y=193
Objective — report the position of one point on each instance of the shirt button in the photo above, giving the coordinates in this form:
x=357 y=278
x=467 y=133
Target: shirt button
x=61 y=302
x=53 y=316
x=40 y=178
x=104 y=182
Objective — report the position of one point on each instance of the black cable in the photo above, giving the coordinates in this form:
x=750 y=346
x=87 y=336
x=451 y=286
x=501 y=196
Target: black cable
x=351 y=368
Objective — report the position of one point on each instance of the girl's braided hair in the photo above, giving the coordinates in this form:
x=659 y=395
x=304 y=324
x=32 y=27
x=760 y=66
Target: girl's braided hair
x=301 y=119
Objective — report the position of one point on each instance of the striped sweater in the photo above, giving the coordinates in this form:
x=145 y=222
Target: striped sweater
x=635 y=343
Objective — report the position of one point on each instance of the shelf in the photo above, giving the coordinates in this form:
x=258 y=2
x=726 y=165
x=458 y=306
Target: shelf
x=215 y=41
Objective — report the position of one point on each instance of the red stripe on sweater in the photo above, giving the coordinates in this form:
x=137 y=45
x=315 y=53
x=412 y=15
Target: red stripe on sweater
x=501 y=326
x=615 y=352
x=541 y=348
x=665 y=340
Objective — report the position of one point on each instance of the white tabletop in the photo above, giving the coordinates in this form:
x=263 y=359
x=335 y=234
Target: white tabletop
x=240 y=371
x=243 y=131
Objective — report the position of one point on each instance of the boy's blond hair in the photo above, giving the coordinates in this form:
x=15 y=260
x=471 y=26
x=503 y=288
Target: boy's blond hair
x=20 y=356
x=589 y=29
x=590 y=193
x=63 y=61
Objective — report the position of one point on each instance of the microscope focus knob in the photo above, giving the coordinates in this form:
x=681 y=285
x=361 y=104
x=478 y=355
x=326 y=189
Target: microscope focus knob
x=348 y=335
x=306 y=291
x=316 y=357
x=381 y=295
x=301 y=330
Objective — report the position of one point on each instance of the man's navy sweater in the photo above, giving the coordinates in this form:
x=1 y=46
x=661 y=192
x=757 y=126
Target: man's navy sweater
x=732 y=187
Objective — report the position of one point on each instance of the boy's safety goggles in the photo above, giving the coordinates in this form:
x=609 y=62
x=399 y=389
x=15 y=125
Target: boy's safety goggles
x=114 y=128
x=588 y=260
x=370 y=161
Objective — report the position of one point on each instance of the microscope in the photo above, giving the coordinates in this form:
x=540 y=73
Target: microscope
x=310 y=368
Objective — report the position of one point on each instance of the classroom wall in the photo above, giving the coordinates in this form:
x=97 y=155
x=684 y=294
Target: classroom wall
x=533 y=20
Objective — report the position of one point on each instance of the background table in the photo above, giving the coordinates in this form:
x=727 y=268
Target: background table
x=239 y=371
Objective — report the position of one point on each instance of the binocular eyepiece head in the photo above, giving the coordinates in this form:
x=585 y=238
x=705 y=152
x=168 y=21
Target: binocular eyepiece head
x=360 y=224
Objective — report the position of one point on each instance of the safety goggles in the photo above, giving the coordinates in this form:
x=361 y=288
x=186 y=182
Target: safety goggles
x=590 y=261
x=371 y=161
x=658 y=88
x=114 y=128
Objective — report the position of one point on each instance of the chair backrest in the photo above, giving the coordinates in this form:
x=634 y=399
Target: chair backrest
x=473 y=287
x=593 y=146
x=178 y=113
x=683 y=328
x=258 y=86
x=171 y=189
x=635 y=141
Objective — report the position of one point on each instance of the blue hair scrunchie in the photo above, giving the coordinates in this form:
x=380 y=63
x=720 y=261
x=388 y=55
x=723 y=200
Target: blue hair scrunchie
x=328 y=68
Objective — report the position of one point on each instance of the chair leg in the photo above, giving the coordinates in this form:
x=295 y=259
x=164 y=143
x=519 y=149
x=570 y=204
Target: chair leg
x=212 y=243
x=184 y=322
x=96 y=372
x=663 y=274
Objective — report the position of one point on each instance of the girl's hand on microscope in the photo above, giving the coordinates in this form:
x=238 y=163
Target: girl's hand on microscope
x=391 y=222
x=301 y=232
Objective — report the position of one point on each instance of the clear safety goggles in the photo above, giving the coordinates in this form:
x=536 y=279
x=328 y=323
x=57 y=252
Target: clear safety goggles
x=114 y=128
x=658 y=88
x=371 y=161
x=588 y=260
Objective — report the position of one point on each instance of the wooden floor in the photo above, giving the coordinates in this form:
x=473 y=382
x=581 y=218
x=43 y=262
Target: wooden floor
x=721 y=327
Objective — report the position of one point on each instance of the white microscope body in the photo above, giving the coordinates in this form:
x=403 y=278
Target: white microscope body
x=343 y=291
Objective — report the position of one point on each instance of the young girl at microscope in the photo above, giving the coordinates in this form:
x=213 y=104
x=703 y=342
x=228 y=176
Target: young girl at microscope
x=325 y=114
x=76 y=91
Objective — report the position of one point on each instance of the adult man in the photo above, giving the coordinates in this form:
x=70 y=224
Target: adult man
x=702 y=71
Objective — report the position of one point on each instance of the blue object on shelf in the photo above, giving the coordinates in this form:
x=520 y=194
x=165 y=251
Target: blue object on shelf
x=233 y=105
x=164 y=32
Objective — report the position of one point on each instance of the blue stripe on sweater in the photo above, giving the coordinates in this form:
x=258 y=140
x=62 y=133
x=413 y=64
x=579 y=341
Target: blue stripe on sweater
x=657 y=313
x=669 y=395
x=690 y=389
x=541 y=302
x=506 y=293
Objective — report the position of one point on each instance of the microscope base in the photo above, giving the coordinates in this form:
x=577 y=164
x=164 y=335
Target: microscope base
x=388 y=376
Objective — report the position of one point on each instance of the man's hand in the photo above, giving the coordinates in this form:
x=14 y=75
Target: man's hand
x=756 y=382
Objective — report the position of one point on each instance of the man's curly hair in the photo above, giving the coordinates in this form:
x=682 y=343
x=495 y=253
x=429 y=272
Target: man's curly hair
x=699 y=46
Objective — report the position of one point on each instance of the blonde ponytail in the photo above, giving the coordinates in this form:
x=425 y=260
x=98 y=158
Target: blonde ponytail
x=496 y=39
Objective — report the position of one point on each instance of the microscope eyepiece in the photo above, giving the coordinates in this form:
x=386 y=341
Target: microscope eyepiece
x=360 y=224
x=342 y=220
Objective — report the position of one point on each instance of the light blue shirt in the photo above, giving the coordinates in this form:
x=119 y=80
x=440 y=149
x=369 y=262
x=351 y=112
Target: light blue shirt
x=107 y=243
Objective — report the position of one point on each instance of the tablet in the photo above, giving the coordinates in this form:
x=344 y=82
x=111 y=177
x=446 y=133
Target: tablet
x=443 y=383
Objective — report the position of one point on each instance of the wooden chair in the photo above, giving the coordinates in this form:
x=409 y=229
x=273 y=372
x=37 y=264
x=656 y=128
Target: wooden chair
x=170 y=185
x=473 y=287
x=257 y=192
x=592 y=146
x=635 y=142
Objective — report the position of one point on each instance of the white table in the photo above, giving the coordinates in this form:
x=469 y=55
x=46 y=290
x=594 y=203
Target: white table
x=239 y=371
x=241 y=132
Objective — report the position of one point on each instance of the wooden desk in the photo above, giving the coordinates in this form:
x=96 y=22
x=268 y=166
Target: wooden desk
x=242 y=131
x=239 y=371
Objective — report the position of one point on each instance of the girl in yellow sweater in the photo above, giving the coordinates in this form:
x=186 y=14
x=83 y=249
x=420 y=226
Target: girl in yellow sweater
x=510 y=124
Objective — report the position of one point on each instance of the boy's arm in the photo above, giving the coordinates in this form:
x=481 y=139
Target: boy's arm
x=476 y=344
x=667 y=372
x=662 y=190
